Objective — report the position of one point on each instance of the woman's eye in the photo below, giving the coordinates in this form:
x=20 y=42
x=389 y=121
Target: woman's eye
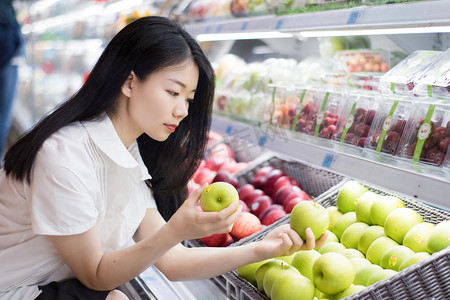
x=189 y=100
x=175 y=94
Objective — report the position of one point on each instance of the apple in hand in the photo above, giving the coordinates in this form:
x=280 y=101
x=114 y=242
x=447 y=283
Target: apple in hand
x=400 y=221
x=348 y=195
x=369 y=236
x=309 y=214
x=378 y=248
x=303 y=261
x=246 y=225
x=417 y=237
x=412 y=259
x=439 y=237
x=333 y=273
x=248 y=271
x=292 y=286
x=351 y=236
x=382 y=207
x=218 y=196
x=394 y=257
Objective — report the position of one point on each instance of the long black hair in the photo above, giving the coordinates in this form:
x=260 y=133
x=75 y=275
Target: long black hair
x=146 y=45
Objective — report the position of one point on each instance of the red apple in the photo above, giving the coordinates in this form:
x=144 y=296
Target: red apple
x=214 y=240
x=296 y=193
x=245 y=207
x=282 y=193
x=269 y=209
x=271 y=179
x=272 y=216
x=264 y=171
x=283 y=181
x=289 y=205
x=259 y=182
x=252 y=196
x=245 y=190
x=247 y=224
x=204 y=175
x=225 y=176
x=228 y=241
x=260 y=204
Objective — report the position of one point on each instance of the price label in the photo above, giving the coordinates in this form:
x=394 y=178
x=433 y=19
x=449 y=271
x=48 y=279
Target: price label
x=279 y=24
x=244 y=26
x=219 y=28
x=353 y=17
x=262 y=140
x=327 y=160
x=229 y=129
x=387 y=123
x=349 y=121
x=424 y=131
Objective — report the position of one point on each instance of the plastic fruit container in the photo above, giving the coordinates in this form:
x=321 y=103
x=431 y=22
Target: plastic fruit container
x=426 y=137
x=356 y=118
x=363 y=60
x=326 y=118
x=400 y=79
x=285 y=103
x=364 y=81
x=302 y=120
x=435 y=80
x=388 y=124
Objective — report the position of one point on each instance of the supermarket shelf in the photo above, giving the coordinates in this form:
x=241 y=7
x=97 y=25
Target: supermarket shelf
x=431 y=188
x=426 y=13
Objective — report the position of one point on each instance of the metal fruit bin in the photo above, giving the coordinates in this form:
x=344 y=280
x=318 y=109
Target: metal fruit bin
x=427 y=279
x=318 y=183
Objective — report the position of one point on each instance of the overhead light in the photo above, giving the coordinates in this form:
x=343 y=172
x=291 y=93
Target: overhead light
x=378 y=31
x=242 y=36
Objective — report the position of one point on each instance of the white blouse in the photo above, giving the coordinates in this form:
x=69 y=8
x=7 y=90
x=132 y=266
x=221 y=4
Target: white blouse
x=83 y=176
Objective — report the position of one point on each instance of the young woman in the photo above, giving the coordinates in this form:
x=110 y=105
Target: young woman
x=76 y=190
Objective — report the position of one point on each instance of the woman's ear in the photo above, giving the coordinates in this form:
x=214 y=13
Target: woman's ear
x=127 y=86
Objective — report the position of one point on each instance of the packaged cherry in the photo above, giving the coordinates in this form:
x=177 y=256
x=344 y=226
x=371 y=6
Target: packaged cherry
x=426 y=137
x=389 y=123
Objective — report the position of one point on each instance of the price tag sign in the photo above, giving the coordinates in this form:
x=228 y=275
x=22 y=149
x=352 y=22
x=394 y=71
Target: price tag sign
x=327 y=160
x=279 y=24
x=262 y=140
x=353 y=17
x=229 y=129
x=244 y=26
x=219 y=28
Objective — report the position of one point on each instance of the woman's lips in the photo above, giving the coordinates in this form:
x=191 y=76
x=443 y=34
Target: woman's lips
x=171 y=127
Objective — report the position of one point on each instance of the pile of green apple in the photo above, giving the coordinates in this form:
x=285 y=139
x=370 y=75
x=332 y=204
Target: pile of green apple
x=371 y=237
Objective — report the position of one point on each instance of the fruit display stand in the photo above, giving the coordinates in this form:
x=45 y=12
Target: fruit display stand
x=426 y=279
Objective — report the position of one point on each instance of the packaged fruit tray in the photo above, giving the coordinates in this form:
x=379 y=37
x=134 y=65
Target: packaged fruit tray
x=426 y=279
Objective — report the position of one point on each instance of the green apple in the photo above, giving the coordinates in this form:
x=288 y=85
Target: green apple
x=353 y=289
x=394 y=257
x=286 y=258
x=331 y=237
x=248 y=271
x=274 y=273
x=334 y=247
x=352 y=253
x=417 y=237
x=378 y=248
x=292 y=286
x=400 y=221
x=348 y=195
x=350 y=237
x=368 y=236
x=416 y=257
x=309 y=214
x=303 y=261
x=323 y=296
x=218 y=196
x=382 y=206
x=261 y=271
x=380 y=275
x=363 y=274
x=359 y=262
x=439 y=237
x=333 y=214
x=363 y=205
x=343 y=222
x=333 y=273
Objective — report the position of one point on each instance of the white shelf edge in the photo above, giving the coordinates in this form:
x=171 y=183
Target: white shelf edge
x=430 y=188
x=425 y=13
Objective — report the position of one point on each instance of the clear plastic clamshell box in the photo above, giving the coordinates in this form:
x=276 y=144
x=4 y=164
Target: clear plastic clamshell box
x=363 y=60
x=435 y=80
x=400 y=79
x=356 y=118
x=388 y=125
x=302 y=123
x=426 y=137
x=285 y=104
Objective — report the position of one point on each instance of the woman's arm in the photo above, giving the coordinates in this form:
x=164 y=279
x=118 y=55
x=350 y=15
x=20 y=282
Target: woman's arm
x=83 y=252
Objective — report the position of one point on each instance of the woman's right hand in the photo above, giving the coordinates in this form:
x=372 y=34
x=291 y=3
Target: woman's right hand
x=190 y=222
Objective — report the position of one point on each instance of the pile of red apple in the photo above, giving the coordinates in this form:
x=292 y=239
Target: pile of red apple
x=271 y=195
